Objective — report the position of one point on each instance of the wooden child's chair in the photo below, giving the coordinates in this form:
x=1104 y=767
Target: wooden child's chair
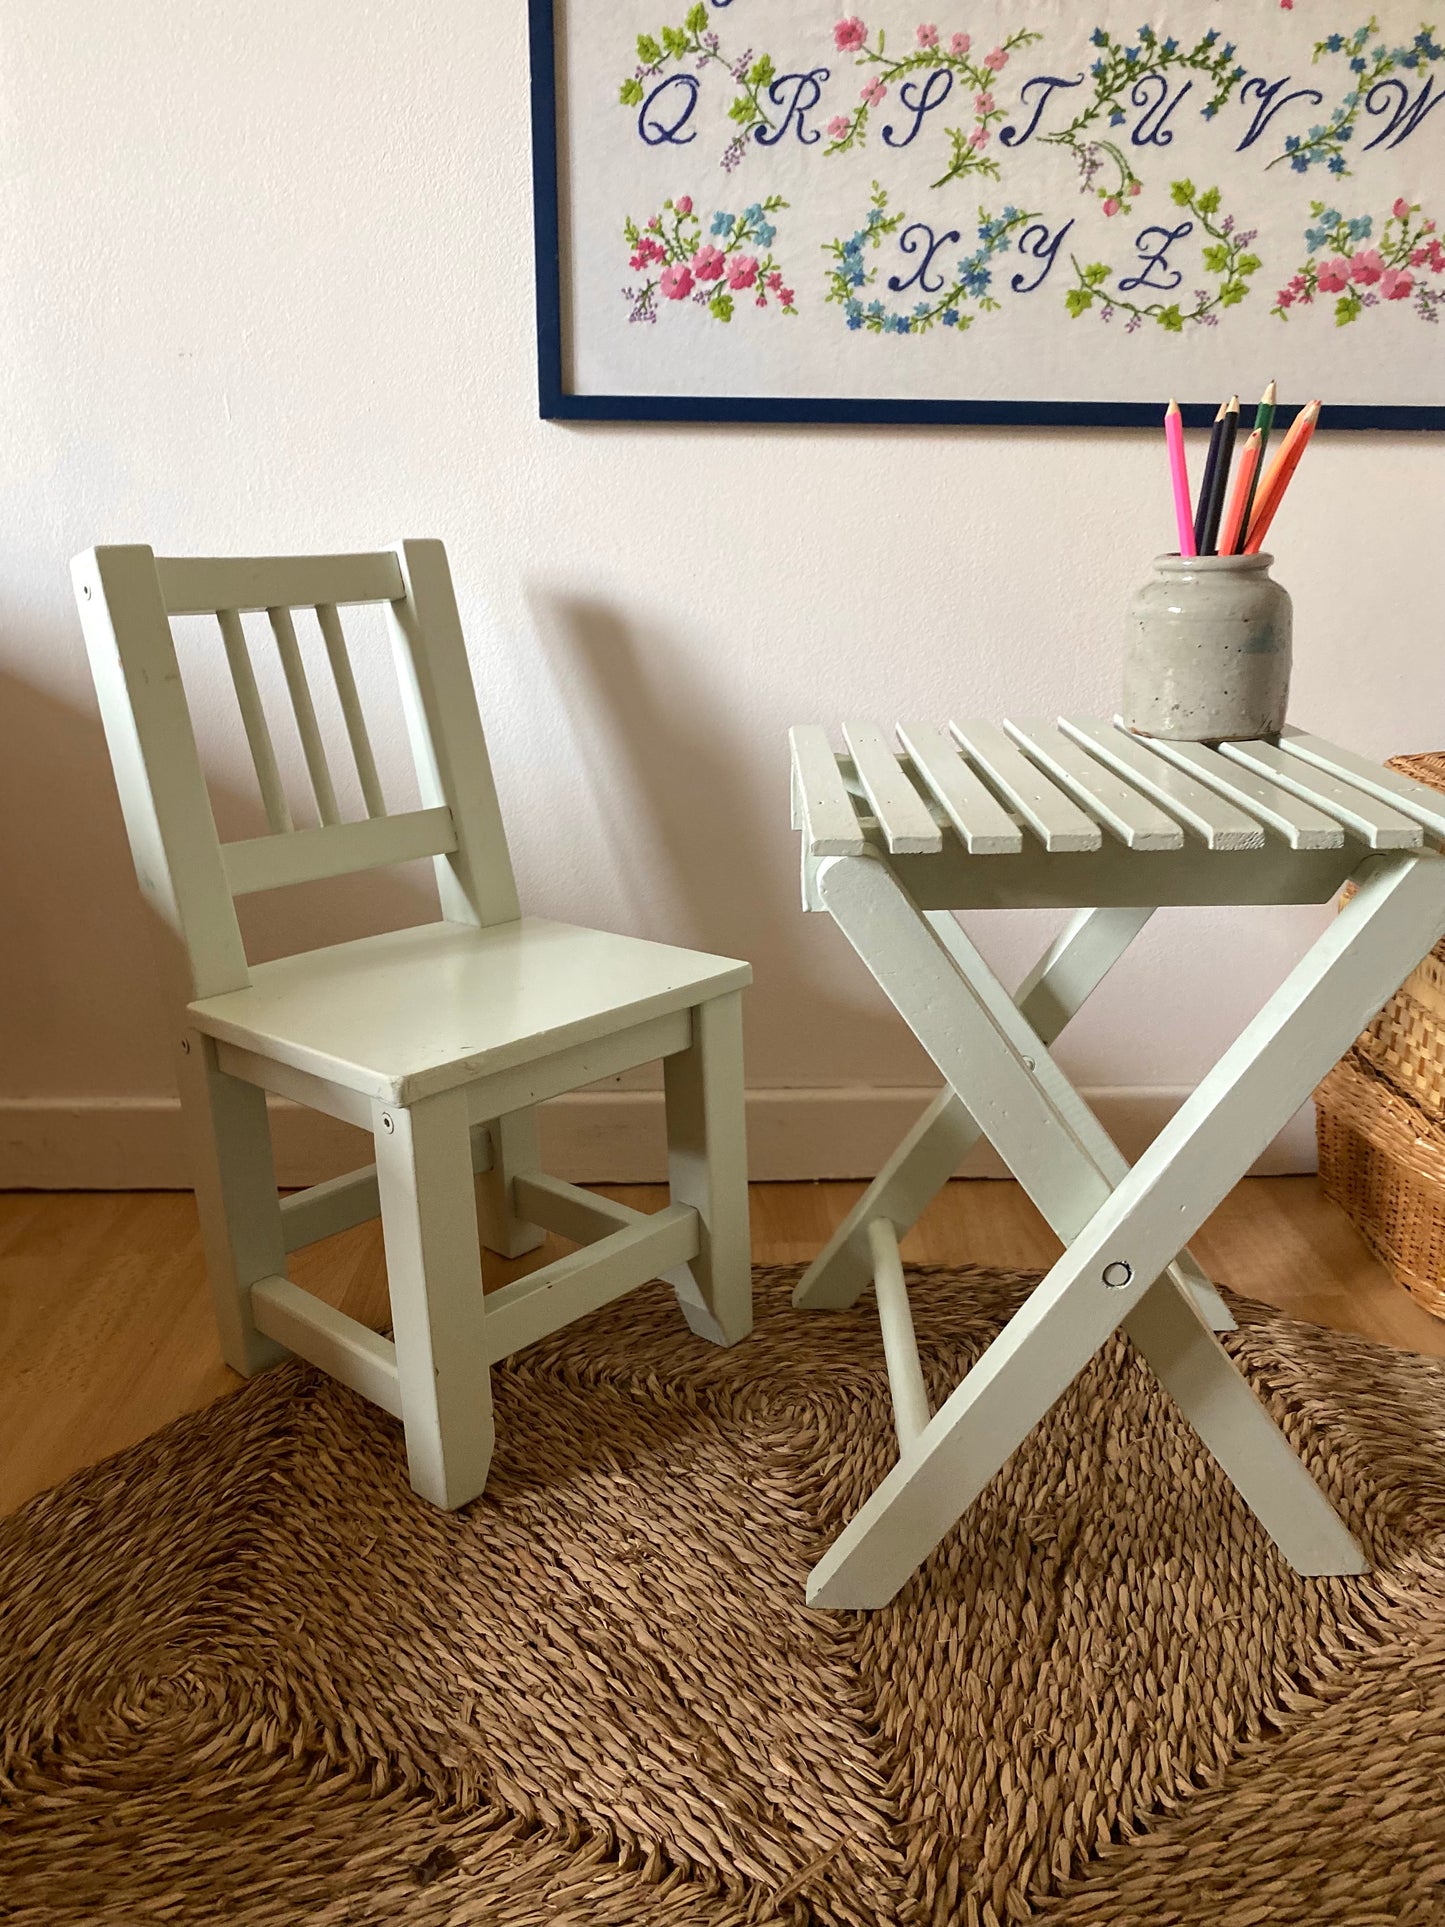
x=438 y=1040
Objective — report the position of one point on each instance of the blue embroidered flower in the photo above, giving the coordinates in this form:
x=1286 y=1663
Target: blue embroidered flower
x=901 y=324
x=1171 y=45
x=1209 y=112
x=875 y=215
x=1099 y=37
x=976 y=280
x=1300 y=163
x=1211 y=36
x=1357 y=65
x=766 y=235
x=1116 y=119
x=1337 y=163
x=753 y=213
x=875 y=308
x=856 y=278
x=854 y=311
x=1097 y=68
x=950 y=317
x=1334 y=42
x=1291 y=142
x=1361 y=226
x=855 y=321
x=921 y=310
x=723 y=223
x=1331 y=218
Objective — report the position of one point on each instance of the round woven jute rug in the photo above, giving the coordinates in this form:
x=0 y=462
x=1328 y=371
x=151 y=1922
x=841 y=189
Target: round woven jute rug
x=245 y=1676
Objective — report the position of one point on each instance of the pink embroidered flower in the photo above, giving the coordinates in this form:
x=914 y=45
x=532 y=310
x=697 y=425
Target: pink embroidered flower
x=683 y=204
x=928 y=36
x=874 y=94
x=838 y=127
x=1401 y=209
x=1366 y=266
x=742 y=270
x=676 y=281
x=709 y=262
x=984 y=103
x=1113 y=204
x=785 y=295
x=1288 y=5
x=849 y=35
x=1284 y=299
x=761 y=302
x=656 y=221
x=1395 y=284
x=1333 y=275
x=1136 y=187
x=959 y=44
x=1297 y=284
x=996 y=61
x=775 y=279
x=979 y=137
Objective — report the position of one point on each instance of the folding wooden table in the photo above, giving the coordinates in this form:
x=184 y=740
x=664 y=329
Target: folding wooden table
x=1081 y=815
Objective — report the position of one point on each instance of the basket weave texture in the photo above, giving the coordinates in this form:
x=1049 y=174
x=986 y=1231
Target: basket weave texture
x=1381 y=1117
x=247 y=1679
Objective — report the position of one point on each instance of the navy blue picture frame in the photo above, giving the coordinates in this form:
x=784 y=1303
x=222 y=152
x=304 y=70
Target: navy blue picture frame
x=556 y=403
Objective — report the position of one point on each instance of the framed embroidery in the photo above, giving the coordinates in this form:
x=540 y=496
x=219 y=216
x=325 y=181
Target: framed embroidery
x=935 y=211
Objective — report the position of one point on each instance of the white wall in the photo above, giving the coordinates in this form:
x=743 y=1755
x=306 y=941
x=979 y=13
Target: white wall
x=268 y=286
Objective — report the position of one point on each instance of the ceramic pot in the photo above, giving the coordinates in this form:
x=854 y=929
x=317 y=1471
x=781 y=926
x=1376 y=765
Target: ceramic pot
x=1207 y=656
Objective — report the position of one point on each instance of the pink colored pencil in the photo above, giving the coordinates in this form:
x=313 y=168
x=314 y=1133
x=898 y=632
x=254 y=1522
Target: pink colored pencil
x=1183 y=508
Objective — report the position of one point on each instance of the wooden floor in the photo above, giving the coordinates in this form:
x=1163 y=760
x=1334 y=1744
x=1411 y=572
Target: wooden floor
x=106 y=1333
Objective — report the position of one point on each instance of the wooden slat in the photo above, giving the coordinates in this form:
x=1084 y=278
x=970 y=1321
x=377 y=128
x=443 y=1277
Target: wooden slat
x=337 y=849
x=1302 y=827
x=538 y=1305
x=1412 y=799
x=1138 y=823
x=338 y=1204
x=1221 y=826
x=825 y=809
x=568 y=1210
x=312 y=747
x=1376 y=824
x=971 y=807
x=902 y=814
x=328 y=1339
x=1055 y=821
x=335 y=640
x=258 y=733
x=196 y=585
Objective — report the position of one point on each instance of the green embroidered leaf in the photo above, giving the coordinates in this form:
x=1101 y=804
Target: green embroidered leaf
x=648 y=51
x=630 y=93
x=743 y=110
x=1232 y=293
x=674 y=41
x=761 y=71
x=697 y=19
x=1182 y=193
x=1346 y=308
x=1216 y=259
x=1248 y=264
x=721 y=306
x=1208 y=201
x=1078 y=301
x=1096 y=274
x=1170 y=319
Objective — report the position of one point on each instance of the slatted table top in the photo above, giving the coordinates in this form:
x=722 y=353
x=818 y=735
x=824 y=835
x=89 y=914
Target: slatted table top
x=1076 y=786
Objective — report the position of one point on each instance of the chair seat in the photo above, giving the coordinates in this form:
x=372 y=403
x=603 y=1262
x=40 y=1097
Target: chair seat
x=401 y=1016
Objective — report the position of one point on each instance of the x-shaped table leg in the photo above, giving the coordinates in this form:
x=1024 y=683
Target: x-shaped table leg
x=1122 y=1227
x=1052 y=994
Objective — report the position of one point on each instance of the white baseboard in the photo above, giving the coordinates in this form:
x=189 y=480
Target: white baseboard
x=598 y=1136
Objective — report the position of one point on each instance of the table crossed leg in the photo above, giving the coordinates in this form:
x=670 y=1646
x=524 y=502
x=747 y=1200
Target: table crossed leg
x=1123 y=1226
x=1061 y=982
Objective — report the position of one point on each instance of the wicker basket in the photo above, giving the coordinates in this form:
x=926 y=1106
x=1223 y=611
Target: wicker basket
x=1384 y=1162
x=1406 y=1042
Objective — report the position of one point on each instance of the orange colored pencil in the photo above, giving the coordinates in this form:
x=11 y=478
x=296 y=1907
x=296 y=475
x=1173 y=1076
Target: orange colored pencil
x=1277 y=480
x=1232 y=533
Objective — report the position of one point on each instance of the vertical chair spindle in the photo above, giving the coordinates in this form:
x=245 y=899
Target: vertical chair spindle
x=312 y=746
x=335 y=640
x=258 y=735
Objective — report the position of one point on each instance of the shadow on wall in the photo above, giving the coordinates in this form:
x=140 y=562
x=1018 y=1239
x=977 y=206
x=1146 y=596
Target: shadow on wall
x=671 y=780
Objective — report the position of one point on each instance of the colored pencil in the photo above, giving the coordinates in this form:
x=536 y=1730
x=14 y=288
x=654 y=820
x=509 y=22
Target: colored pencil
x=1264 y=422
x=1216 y=477
x=1281 y=469
x=1232 y=533
x=1174 y=441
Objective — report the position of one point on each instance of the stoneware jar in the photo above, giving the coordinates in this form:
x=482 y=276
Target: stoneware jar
x=1207 y=658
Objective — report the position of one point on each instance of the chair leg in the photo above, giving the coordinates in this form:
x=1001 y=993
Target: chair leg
x=707 y=1168
x=235 y=1180
x=434 y=1274
x=514 y=1154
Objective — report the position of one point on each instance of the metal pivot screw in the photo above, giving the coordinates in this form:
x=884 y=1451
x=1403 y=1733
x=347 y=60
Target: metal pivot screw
x=1118 y=1274
x=185 y=1047
x=388 y=1122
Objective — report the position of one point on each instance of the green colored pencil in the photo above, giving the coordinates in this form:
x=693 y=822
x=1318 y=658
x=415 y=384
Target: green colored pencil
x=1263 y=421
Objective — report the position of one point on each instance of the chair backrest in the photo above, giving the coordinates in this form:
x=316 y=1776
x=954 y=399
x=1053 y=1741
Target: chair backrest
x=127 y=597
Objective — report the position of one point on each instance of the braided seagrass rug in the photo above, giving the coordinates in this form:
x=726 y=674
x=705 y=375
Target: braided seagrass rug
x=246 y=1677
